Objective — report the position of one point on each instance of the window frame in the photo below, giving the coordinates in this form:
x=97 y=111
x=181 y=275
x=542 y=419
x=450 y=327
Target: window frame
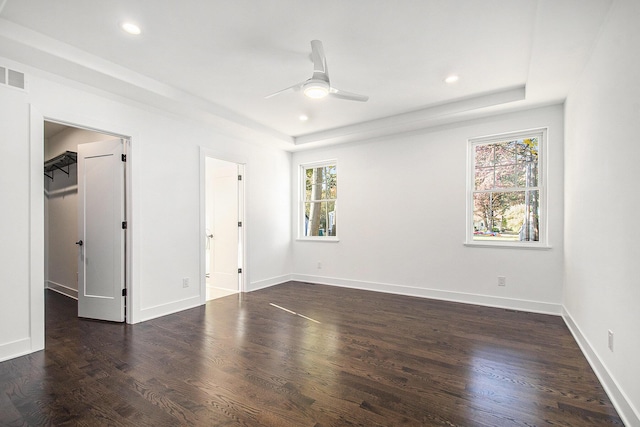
x=542 y=135
x=303 y=167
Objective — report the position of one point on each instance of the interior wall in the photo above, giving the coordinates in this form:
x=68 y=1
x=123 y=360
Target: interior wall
x=165 y=231
x=14 y=224
x=401 y=220
x=61 y=213
x=601 y=260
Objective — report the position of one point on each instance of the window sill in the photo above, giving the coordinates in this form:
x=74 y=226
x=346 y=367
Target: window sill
x=503 y=245
x=318 y=239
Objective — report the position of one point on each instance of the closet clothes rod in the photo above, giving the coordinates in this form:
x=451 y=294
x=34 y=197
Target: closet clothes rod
x=65 y=159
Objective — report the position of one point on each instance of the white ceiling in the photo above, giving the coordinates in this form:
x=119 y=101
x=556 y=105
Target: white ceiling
x=221 y=58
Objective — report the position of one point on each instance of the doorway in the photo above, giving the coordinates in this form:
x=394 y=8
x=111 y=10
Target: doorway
x=85 y=219
x=223 y=257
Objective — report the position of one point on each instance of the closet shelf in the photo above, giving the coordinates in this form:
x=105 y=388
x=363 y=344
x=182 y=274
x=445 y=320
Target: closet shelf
x=65 y=159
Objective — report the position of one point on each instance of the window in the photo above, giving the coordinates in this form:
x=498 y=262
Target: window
x=506 y=201
x=319 y=200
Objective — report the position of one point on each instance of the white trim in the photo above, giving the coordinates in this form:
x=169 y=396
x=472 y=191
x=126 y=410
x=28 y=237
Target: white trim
x=242 y=163
x=62 y=289
x=507 y=245
x=63 y=116
x=36 y=230
x=417 y=120
x=169 y=308
x=327 y=239
x=626 y=410
x=267 y=283
x=16 y=348
x=462 y=297
x=302 y=179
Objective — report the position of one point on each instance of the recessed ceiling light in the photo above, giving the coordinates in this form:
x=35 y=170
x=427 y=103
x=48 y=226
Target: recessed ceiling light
x=303 y=117
x=452 y=79
x=130 y=28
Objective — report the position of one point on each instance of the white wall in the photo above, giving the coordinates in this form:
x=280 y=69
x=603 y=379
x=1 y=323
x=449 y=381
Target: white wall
x=165 y=163
x=14 y=225
x=401 y=220
x=61 y=213
x=602 y=285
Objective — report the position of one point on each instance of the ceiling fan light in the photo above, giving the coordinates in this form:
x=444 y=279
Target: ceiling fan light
x=316 y=90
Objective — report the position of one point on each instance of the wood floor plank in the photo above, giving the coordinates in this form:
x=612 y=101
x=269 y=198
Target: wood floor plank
x=337 y=357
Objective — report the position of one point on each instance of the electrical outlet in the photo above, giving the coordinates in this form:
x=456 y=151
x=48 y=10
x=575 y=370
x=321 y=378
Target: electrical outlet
x=319 y=265
x=502 y=281
x=185 y=282
x=610 y=336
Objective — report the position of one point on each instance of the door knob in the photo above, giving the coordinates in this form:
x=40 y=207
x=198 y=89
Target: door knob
x=79 y=243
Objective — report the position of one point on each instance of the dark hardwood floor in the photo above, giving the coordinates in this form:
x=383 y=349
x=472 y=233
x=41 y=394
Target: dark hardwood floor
x=355 y=358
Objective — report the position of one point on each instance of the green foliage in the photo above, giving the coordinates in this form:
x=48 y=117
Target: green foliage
x=514 y=217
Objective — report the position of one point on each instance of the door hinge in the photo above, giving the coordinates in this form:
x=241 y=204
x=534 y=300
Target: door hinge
x=123 y=157
x=239 y=223
x=124 y=225
x=239 y=177
x=239 y=270
x=124 y=292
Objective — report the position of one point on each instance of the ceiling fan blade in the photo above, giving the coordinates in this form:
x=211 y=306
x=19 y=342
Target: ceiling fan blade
x=318 y=58
x=337 y=93
x=293 y=88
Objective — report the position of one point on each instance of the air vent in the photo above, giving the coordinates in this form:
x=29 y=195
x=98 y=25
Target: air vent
x=12 y=78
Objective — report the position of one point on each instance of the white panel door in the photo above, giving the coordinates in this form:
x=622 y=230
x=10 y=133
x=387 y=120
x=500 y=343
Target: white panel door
x=101 y=264
x=224 y=221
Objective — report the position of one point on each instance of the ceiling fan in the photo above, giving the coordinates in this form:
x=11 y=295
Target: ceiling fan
x=318 y=86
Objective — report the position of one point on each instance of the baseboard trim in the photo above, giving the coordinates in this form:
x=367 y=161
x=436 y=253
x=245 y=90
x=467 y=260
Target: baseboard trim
x=466 y=298
x=170 y=308
x=629 y=414
x=266 y=283
x=14 y=349
x=62 y=289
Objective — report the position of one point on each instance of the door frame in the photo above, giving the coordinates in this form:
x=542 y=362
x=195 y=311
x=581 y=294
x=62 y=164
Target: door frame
x=37 y=117
x=242 y=215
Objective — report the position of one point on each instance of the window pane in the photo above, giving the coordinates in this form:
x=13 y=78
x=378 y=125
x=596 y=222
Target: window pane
x=320 y=219
x=506 y=216
x=484 y=178
x=528 y=157
x=520 y=175
x=483 y=155
x=321 y=183
x=505 y=153
x=314 y=184
x=509 y=164
x=331 y=179
x=506 y=177
x=530 y=174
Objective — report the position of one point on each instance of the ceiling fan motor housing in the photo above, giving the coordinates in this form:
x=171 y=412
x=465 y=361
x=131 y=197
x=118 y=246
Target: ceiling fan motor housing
x=316 y=87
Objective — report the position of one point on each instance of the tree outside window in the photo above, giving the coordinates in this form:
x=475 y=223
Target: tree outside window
x=506 y=195
x=320 y=198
